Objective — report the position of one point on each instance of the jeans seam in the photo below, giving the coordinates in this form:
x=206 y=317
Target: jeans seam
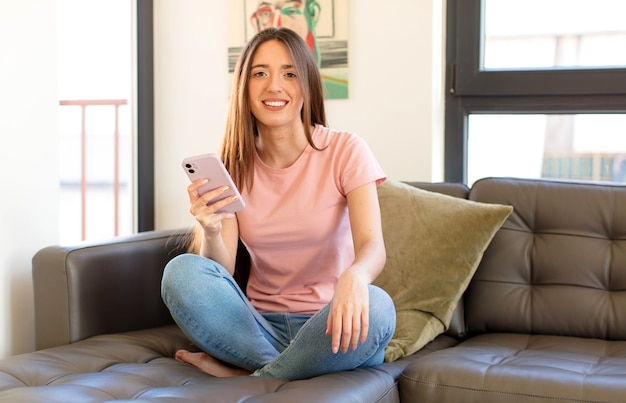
x=289 y=327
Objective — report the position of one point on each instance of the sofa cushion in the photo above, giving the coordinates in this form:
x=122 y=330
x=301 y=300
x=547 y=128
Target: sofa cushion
x=499 y=367
x=434 y=243
x=139 y=366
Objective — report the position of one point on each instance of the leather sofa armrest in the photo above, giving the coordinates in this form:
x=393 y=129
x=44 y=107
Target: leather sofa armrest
x=102 y=287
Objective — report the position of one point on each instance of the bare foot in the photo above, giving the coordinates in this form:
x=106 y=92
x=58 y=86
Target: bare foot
x=208 y=364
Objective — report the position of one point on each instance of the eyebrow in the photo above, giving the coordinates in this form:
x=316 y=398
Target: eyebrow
x=269 y=4
x=266 y=66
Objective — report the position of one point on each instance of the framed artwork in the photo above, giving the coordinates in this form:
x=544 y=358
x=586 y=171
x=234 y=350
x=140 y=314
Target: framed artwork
x=322 y=23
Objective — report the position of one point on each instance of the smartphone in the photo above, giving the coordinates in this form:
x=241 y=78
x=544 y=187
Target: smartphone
x=211 y=167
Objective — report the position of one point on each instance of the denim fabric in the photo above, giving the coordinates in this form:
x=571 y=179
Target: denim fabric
x=210 y=308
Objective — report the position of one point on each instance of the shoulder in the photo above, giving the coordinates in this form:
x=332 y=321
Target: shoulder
x=325 y=137
x=350 y=158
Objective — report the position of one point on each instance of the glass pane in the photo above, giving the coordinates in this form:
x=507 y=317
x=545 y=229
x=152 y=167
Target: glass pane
x=95 y=119
x=571 y=146
x=526 y=34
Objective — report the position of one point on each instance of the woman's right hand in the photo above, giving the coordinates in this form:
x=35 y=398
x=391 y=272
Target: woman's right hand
x=205 y=211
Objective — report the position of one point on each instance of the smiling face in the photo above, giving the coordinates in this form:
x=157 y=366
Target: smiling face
x=274 y=88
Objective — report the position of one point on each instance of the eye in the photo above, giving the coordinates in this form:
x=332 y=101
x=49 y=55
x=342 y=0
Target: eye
x=291 y=74
x=258 y=73
x=291 y=11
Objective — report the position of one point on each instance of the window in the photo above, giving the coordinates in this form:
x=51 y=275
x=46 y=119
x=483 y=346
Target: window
x=554 y=33
x=105 y=118
x=95 y=119
x=534 y=90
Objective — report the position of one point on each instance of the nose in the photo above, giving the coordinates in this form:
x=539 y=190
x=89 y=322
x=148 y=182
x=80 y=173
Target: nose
x=275 y=84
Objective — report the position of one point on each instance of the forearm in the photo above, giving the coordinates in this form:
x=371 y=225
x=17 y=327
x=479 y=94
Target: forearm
x=367 y=234
x=214 y=248
x=369 y=260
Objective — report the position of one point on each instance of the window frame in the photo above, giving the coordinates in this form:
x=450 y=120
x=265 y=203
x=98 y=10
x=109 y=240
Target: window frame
x=145 y=116
x=470 y=90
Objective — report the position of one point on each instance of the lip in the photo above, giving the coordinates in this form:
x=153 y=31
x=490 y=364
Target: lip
x=274 y=104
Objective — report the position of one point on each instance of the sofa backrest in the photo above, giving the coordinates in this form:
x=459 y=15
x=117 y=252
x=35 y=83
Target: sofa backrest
x=557 y=265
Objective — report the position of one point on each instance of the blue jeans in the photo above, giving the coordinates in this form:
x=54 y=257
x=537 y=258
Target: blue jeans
x=210 y=308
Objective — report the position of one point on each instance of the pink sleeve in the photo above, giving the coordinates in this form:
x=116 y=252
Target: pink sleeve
x=357 y=165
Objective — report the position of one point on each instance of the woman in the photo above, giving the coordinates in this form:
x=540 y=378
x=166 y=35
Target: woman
x=311 y=225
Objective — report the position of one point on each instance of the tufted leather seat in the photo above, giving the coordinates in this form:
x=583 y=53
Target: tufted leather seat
x=138 y=366
x=497 y=367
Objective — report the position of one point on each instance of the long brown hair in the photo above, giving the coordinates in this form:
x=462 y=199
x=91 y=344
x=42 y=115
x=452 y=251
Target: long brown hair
x=237 y=150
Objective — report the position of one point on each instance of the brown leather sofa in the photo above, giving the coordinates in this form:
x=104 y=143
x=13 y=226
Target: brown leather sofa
x=543 y=319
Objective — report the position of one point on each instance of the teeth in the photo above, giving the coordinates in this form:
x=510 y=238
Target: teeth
x=274 y=103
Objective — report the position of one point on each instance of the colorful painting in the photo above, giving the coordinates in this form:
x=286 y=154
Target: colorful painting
x=322 y=23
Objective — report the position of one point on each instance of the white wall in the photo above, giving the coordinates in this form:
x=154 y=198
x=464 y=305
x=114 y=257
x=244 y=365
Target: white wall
x=29 y=204
x=396 y=91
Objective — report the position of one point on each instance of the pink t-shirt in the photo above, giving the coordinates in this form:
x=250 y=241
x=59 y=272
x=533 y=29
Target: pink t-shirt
x=296 y=225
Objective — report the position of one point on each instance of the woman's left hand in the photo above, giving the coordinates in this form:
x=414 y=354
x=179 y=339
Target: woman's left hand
x=348 y=319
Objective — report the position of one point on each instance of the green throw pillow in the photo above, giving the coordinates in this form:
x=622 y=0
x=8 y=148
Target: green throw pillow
x=434 y=244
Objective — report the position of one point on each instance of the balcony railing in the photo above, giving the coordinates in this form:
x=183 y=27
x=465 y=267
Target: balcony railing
x=610 y=167
x=84 y=157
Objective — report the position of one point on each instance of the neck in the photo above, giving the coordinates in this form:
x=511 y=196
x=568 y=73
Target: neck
x=281 y=148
